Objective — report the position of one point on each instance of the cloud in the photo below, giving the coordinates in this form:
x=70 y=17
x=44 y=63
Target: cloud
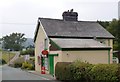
x=27 y=12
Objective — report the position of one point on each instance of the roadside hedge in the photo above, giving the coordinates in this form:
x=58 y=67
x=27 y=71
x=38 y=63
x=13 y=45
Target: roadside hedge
x=17 y=65
x=80 y=71
x=105 y=72
x=61 y=71
x=84 y=72
x=2 y=61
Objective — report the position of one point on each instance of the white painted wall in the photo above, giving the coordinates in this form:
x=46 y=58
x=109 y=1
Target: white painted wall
x=39 y=46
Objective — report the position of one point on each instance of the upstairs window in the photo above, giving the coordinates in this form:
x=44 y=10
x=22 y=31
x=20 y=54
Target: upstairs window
x=46 y=43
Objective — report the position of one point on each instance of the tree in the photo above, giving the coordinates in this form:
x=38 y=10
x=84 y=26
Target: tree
x=13 y=41
x=105 y=24
x=114 y=29
x=29 y=51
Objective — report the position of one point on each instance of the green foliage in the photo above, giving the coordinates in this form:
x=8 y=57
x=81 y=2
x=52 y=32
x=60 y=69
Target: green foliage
x=61 y=71
x=7 y=55
x=2 y=61
x=32 y=61
x=20 y=62
x=105 y=72
x=29 y=51
x=114 y=28
x=13 y=41
x=119 y=71
x=17 y=65
x=84 y=72
x=81 y=71
x=77 y=71
x=105 y=24
x=27 y=66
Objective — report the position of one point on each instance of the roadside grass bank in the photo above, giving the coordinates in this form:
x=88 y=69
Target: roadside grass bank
x=5 y=56
x=25 y=65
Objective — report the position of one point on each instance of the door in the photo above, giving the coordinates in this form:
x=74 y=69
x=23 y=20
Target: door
x=51 y=64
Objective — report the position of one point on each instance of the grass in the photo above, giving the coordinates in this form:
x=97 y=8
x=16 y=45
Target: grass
x=6 y=55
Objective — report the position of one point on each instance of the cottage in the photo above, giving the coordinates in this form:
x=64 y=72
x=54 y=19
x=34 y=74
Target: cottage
x=67 y=40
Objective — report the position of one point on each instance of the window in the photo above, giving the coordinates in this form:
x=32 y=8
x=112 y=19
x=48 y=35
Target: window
x=102 y=41
x=46 y=44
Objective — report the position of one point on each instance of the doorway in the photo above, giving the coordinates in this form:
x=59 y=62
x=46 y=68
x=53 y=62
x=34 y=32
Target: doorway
x=51 y=64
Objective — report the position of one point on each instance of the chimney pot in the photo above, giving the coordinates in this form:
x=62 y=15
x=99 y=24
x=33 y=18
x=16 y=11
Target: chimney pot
x=70 y=15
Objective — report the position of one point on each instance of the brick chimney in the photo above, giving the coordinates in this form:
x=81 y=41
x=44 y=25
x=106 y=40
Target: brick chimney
x=70 y=15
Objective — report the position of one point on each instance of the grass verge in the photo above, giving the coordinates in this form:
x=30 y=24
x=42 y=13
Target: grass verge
x=7 y=55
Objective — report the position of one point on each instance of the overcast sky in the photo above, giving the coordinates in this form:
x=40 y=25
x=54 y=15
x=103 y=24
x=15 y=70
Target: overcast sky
x=21 y=15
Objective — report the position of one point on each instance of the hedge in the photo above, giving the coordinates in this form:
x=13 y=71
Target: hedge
x=17 y=65
x=2 y=61
x=61 y=71
x=105 y=72
x=80 y=71
x=85 y=72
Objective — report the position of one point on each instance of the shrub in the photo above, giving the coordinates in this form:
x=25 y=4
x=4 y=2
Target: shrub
x=77 y=71
x=29 y=51
x=27 y=66
x=80 y=71
x=84 y=72
x=2 y=61
x=118 y=72
x=17 y=65
x=105 y=72
x=32 y=61
x=61 y=71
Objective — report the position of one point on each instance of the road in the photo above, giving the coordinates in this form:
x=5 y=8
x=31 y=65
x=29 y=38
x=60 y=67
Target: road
x=9 y=73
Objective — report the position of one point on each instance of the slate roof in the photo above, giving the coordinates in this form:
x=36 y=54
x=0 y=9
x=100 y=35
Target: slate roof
x=75 y=29
x=78 y=43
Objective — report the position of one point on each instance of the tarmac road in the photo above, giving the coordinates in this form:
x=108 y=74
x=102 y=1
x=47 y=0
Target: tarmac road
x=9 y=73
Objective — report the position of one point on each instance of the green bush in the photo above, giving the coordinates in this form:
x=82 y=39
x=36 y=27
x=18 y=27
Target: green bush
x=17 y=65
x=29 y=51
x=2 y=61
x=27 y=66
x=105 y=72
x=80 y=71
x=119 y=72
x=84 y=72
x=77 y=71
x=61 y=71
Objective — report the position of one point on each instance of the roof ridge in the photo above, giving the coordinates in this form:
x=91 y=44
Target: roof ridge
x=69 y=21
x=50 y=18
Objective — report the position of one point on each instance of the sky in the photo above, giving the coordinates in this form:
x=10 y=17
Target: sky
x=21 y=15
